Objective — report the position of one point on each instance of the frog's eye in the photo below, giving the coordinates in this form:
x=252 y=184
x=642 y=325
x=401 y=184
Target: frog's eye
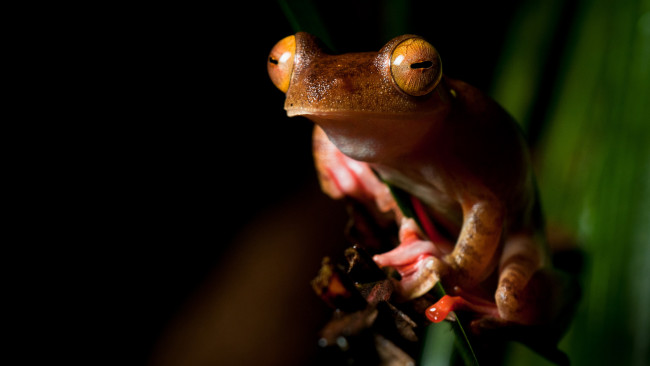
x=415 y=66
x=280 y=63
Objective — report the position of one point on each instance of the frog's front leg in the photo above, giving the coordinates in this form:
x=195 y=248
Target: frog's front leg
x=519 y=291
x=473 y=256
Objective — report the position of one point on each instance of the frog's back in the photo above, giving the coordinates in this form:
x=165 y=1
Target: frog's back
x=482 y=145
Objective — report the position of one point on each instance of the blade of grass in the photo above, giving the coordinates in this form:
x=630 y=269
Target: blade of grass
x=303 y=17
x=438 y=345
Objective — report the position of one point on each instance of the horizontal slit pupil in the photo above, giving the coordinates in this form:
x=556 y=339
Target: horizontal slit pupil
x=273 y=61
x=421 y=65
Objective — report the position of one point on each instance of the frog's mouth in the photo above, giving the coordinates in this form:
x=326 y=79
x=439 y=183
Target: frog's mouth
x=346 y=114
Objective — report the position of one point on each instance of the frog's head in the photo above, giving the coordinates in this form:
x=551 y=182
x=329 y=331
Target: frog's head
x=370 y=104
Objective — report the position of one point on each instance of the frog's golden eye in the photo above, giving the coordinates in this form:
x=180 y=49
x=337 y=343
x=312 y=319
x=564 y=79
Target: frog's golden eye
x=280 y=65
x=415 y=66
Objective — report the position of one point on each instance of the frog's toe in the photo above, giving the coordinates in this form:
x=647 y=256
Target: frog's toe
x=417 y=269
x=405 y=256
x=419 y=278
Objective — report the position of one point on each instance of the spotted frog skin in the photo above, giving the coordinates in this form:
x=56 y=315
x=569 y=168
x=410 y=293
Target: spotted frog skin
x=393 y=114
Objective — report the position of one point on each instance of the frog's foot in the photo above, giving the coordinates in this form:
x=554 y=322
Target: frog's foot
x=445 y=307
x=414 y=259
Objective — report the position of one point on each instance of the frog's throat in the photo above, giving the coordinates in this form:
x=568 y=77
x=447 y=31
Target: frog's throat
x=373 y=137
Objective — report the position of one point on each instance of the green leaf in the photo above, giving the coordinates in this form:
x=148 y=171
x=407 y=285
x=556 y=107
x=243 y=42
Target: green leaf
x=593 y=159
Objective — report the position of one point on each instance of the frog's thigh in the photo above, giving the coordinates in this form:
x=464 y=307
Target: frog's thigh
x=520 y=260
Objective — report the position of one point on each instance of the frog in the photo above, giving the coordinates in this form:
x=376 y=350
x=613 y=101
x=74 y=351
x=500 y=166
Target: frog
x=391 y=119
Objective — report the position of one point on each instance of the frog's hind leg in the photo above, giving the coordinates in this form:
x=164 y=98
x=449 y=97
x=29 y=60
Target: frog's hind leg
x=521 y=284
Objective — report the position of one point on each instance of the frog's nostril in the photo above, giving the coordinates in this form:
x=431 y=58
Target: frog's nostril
x=273 y=61
x=422 y=65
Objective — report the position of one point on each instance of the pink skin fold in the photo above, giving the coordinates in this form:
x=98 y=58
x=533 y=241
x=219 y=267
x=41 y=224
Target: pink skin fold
x=342 y=176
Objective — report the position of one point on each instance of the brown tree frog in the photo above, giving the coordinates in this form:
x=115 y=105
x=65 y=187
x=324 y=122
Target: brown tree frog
x=393 y=114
